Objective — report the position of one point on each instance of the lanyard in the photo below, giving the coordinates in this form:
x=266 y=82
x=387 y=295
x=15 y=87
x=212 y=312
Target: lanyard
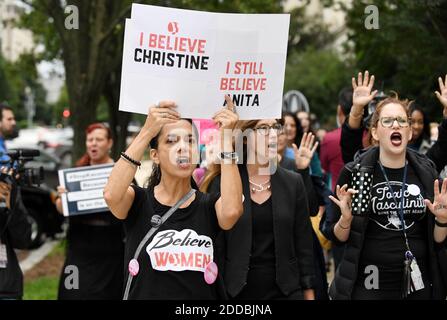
x=408 y=254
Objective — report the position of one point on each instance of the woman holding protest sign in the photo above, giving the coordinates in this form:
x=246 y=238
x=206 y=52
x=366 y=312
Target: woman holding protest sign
x=95 y=246
x=392 y=216
x=268 y=254
x=174 y=224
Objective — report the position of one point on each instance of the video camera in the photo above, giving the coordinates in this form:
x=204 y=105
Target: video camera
x=20 y=175
x=371 y=107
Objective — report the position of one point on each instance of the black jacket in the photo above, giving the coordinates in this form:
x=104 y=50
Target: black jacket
x=346 y=274
x=16 y=234
x=313 y=198
x=292 y=234
x=351 y=143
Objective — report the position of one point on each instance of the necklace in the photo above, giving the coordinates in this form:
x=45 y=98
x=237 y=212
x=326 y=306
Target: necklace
x=260 y=187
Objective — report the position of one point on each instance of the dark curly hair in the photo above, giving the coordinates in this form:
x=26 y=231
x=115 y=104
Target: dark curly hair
x=155 y=176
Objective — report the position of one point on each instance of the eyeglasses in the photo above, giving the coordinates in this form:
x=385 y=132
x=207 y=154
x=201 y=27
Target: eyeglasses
x=388 y=122
x=265 y=129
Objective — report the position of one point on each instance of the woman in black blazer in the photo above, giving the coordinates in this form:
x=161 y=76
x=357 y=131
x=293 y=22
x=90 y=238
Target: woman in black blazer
x=268 y=254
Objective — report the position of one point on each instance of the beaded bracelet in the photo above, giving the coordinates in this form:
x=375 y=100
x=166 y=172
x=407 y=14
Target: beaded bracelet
x=129 y=159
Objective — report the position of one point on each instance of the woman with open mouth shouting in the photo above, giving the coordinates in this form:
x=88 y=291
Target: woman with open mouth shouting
x=392 y=216
x=175 y=225
x=268 y=255
x=95 y=242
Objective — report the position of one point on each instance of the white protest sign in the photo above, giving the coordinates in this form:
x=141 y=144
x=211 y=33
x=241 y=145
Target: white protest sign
x=194 y=58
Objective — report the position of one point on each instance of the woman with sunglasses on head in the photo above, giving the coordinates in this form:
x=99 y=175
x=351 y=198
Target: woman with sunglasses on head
x=269 y=253
x=174 y=225
x=392 y=216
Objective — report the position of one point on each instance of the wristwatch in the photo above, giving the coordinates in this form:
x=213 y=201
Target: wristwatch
x=229 y=157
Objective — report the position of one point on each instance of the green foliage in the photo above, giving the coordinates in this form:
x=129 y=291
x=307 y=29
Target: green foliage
x=319 y=75
x=42 y=27
x=408 y=52
x=46 y=287
x=16 y=77
x=5 y=89
x=60 y=249
x=307 y=31
x=237 y=6
x=102 y=114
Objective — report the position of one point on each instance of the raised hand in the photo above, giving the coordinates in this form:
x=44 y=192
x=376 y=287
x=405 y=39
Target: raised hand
x=344 y=201
x=439 y=205
x=304 y=154
x=161 y=114
x=60 y=190
x=226 y=118
x=362 y=94
x=442 y=94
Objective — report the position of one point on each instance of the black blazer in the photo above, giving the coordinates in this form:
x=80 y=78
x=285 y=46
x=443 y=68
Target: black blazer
x=292 y=235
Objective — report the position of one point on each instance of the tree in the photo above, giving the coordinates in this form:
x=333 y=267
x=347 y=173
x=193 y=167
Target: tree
x=319 y=75
x=308 y=31
x=17 y=77
x=88 y=53
x=5 y=89
x=313 y=66
x=408 y=52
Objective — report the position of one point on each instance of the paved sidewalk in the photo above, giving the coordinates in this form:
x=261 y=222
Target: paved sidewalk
x=35 y=256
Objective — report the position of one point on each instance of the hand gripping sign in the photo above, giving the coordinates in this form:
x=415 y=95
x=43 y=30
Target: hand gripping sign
x=84 y=189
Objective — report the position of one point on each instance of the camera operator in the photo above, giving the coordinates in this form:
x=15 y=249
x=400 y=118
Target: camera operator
x=7 y=129
x=15 y=229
